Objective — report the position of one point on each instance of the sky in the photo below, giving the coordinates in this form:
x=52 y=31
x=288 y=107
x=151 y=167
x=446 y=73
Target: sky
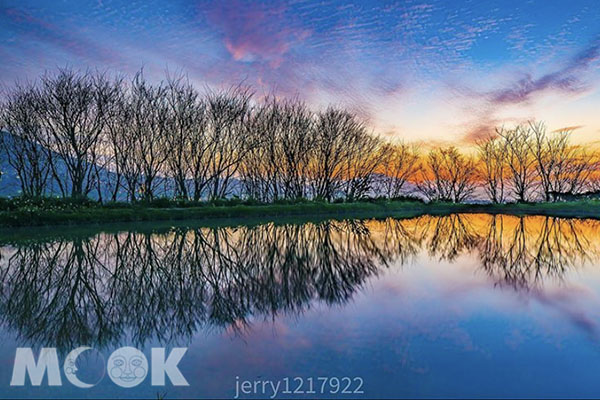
x=431 y=71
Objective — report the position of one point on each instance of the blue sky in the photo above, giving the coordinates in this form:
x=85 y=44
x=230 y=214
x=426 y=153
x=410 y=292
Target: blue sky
x=431 y=70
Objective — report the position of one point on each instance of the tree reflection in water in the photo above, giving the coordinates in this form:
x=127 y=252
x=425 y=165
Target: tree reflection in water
x=98 y=290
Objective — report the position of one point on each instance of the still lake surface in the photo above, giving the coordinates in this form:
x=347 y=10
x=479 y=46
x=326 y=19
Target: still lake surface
x=454 y=306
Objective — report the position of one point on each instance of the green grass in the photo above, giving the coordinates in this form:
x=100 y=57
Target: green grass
x=573 y=209
x=58 y=212
x=29 y=217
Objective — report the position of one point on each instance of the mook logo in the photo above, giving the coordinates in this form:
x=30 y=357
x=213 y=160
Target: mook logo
x=126 y=367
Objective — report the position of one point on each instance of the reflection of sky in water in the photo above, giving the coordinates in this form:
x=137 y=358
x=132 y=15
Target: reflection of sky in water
x=429 y=327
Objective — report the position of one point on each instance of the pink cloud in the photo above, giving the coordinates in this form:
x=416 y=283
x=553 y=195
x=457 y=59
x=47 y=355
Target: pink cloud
x=255 y=32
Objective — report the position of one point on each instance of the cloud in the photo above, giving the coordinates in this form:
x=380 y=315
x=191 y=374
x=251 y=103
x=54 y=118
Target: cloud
x=65 y=39
x=254 y=32
x=480 y=130
x=569 y=78
x=568 y=128
x=381 y=58
x=566 y=79
x=567 y=302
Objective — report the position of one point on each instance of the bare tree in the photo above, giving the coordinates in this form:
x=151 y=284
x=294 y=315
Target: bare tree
x=227 y=116
x=21 y=144
x=328 y=167
x=550 y=154
x=593 y=181
x=73 y=109
x=277 y=165
x=297 y=143
x=563 y=169
x=519 y=160
x=580 y=170
x=399 y=164
x=492 y=167
x=119 y=146
x=365 y=153
x=447 y=176
x=198 y=153
x=148 y=133
x=186 y=127
x=262 y=167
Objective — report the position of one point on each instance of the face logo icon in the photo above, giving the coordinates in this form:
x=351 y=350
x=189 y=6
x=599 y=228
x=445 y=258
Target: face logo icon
x=73 y=362
x=127 y=367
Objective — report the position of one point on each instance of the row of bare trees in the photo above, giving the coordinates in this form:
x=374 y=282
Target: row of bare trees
x=528 y=163
x=89 y=134
x=525 y=163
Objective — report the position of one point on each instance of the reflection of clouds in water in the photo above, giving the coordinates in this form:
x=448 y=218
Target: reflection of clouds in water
x=401 y=321
x=577 y=304
x=169 y=285
x=515 y=339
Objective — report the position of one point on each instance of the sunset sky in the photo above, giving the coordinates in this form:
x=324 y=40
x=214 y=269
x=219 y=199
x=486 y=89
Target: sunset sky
x=435 y=71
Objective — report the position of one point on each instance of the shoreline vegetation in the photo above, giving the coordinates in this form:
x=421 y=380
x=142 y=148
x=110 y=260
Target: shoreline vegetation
x=56 y=212
x=151 y=151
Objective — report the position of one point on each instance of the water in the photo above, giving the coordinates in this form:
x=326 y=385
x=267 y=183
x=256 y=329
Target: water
x=455 y=306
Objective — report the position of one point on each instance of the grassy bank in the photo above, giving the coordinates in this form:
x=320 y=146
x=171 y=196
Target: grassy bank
x=84 y=215
x=60 y=212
